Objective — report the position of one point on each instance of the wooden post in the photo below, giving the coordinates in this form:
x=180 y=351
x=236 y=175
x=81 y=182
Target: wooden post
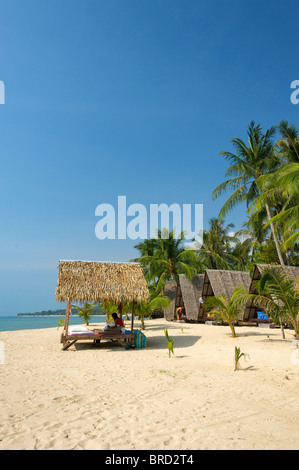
x=132 y=318
x=67 y=316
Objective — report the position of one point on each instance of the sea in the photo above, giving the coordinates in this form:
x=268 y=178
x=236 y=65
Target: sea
x=14 y=323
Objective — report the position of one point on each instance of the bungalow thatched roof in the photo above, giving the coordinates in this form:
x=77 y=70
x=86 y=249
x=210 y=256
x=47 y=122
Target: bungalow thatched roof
x=223 y=282
x=170 y=292
x=100 y=281
x=291 y=272
x=187 y=294
x=191 y=293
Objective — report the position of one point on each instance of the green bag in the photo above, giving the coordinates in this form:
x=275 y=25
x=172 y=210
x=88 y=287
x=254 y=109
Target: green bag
x=139 y=339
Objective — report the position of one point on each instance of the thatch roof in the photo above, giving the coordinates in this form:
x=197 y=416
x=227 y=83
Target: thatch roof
x=191 y=293
x=100 y=281
x=291 y=272
x=187 y=295
x=223 y=282
x=170 y=292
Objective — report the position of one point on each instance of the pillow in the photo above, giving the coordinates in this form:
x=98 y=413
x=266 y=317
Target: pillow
x=78 y=329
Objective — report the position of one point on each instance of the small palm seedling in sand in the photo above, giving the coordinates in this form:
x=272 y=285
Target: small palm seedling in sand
x=170 y=343
x=60 y=322
x=238 y=355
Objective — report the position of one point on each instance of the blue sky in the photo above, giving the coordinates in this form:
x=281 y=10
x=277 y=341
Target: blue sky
x=124 y=97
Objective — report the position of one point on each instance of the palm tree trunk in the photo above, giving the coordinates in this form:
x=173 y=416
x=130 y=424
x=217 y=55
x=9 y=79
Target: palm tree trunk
x=283 y=240
x=232 y=327
x=274 y=235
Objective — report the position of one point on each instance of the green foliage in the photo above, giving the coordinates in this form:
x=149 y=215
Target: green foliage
x=109 y=307
x=60 y=322
x=266 y=253
x=156 y=301
x=284 y=184
x=225 y=308
x=263 y=173
x=216 y=251
x=278 y=296
x=169 y=342
x=165 y=257
x=238 y=356
x=249 y=164
x=86 y=311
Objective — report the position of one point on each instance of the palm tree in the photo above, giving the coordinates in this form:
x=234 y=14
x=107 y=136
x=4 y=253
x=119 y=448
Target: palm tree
x=227 y=308
x=248 y=165
x=146 y=249
x=285 y=183
x=288 y=145
x=216 y=250
x=109 y=307
x=278 y=296
x=253 y=233
x=86 y=311
x=156 y=301
x=241 y=251
x=169 y=258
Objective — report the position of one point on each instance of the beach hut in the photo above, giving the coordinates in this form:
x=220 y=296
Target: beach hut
x=185 y=295
x=291 y=272
x=90 y=281
x=222 y=282
x=170 y=292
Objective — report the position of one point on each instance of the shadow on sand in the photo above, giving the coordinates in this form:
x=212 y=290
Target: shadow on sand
x=182 y=340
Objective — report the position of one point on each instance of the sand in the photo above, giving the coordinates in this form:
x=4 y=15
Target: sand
x=104 y=397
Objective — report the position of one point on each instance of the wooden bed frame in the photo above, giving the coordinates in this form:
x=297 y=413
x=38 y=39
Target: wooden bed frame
x=122 y=338
x=68 y=340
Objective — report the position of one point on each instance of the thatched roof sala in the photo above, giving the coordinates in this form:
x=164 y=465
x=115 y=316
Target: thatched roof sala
x=100 y=281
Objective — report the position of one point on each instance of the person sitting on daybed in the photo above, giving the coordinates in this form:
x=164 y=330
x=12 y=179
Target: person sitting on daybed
x=118 y=323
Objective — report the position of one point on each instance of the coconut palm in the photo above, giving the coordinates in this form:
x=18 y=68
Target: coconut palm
x=288 y=144
x=216 y=250
x=156 y=301
x=285 y=183
x=86 y=311
x=278 y=296
x=168 y=259
x=146 y=249
x=248 y=165
x=227 y=308
x=109 y=307
x=253 y=233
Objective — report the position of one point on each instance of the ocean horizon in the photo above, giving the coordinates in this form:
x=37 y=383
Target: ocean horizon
x=31 y=322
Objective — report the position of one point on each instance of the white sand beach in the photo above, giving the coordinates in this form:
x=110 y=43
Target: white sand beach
x=104 y=397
